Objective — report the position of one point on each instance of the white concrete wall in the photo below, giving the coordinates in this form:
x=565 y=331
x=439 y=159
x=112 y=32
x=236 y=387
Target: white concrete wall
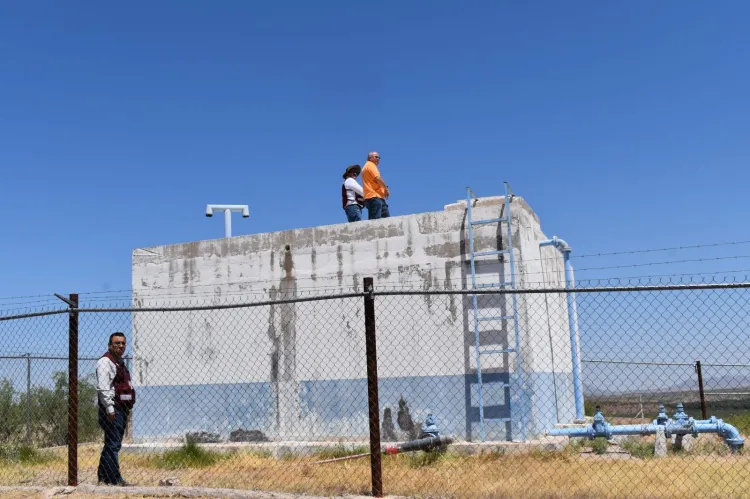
x=418 y=336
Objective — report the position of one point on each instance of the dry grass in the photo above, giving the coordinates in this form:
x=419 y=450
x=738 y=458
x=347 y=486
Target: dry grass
x=79 y=495
x=709 y=473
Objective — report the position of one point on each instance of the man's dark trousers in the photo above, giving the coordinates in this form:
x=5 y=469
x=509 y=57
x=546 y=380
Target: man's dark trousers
x=376 y=208
x=109 y=463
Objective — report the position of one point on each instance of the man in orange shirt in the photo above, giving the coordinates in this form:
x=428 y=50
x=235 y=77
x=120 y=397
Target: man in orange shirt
x=375 y=189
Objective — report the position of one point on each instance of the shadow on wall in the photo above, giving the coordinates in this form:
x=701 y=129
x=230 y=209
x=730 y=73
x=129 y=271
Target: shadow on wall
x=285 y=387
x=408 y=429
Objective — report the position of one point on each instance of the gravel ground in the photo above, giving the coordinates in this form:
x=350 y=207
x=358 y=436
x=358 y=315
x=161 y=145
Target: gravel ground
x=91 y=491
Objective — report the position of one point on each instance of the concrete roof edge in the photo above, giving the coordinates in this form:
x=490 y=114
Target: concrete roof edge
x=146 y=251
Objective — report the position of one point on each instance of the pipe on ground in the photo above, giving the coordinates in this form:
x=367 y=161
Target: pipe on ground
x=682 y=425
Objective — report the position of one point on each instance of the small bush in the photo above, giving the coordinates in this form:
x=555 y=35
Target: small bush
x=190 y=455
x=26 y=455
x=589 y=408
x=340 y=451
x=600 y=445
x=740 y=421
x=574 y=446
x=421 y=459
x=637 y=447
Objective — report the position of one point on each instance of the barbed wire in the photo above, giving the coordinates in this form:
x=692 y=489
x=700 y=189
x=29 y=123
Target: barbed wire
x=669 y=262
x=238 y=297
x=386 y=291
x=654 y=250
x=323 y=286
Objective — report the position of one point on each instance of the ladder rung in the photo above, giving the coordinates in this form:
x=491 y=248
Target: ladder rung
x=488 y=253
x=492 y=285
x=497 y=318
x=489 y=221
x=505 y=385
x=502 y=350
x=505 y=420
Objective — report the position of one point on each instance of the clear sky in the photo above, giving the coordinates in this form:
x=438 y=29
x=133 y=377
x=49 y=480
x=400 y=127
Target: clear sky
x=623 y=124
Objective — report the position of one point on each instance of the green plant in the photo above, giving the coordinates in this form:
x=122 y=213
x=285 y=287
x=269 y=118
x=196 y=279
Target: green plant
x=740 y=421
x=589 y=408
x=26 y=454
x=190 y=455
x=421 y=459
x=599 y=445
x=340 y=451
x=637 y=447
x=48 y=412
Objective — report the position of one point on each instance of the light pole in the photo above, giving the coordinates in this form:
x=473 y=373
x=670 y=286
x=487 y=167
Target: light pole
x=228 y=209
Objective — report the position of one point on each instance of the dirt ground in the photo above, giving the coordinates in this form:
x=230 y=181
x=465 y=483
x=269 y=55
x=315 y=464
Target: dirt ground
x=94 y=492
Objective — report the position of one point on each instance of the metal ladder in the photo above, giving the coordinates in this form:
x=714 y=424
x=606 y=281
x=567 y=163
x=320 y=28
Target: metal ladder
x=480 y=352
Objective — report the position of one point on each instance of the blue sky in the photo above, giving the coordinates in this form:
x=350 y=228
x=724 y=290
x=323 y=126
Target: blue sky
x=623 y=124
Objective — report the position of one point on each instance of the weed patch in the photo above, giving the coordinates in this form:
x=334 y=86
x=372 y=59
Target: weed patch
x=423 y=459
x=190 y=455
x=599 y=445
x=26 y=455
x=740 y=421
x=340 y=451
x=638 y=447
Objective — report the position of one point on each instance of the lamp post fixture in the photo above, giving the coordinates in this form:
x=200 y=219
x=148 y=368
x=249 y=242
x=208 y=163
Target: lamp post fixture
x=228 y=209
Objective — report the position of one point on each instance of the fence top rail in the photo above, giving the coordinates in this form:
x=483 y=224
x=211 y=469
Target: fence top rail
x=35 y=314
x=605 y=289
x=186 y=308
x=50 y=357
x=639 y=363
x=654 y=363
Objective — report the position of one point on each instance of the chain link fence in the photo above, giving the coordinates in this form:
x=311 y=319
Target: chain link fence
x=611 y=391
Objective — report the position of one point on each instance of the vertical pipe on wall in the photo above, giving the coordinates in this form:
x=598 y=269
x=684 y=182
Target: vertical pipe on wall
x=563 y=247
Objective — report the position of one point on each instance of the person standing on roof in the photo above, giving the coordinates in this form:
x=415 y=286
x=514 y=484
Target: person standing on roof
x=375 y=189
x=352 y=195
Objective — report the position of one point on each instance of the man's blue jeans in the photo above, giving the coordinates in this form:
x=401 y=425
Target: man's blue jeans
x=353 y=213
x=376 y=208
x=109 y=463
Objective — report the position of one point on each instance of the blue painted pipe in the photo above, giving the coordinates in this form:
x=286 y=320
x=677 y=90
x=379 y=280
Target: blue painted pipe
x=563 y=247
x=682 y=425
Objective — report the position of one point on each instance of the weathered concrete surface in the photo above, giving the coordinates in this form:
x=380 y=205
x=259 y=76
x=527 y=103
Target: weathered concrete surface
x=305 y=449
x=660 y=445
x=170 y=492
x=297 y=370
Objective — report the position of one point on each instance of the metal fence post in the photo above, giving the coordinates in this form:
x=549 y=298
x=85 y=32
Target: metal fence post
x=73 y=392
x=28 y=398
x=700 y=388
x=376 y=470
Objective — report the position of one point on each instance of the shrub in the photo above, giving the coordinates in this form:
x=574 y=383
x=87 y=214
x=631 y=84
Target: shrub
x=190 y=455
x=48 y=421
x=637 y=447
x=600 y=445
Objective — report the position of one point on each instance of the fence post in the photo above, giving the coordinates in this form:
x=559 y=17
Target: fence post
x=376 y=470
x=28 y=398
x=73 y=392
x=700 y=388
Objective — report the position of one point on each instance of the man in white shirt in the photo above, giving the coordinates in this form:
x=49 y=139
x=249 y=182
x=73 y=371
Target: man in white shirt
x=352 y=195
x=116 y=397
